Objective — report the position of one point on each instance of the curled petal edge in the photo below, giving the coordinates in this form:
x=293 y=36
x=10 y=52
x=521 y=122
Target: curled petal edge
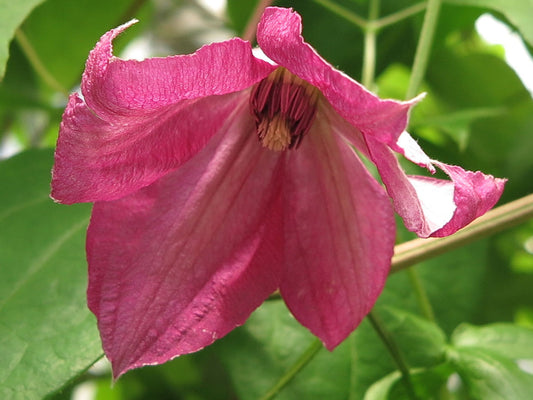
x=112 y=86
x=433 y=207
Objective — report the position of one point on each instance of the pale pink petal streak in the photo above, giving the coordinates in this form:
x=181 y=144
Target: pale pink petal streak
x=279 y=35
x=407 y=146
x=182 y=262
x=339 y=236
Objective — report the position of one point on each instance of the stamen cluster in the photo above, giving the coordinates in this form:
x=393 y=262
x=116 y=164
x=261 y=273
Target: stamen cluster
x=284 y=107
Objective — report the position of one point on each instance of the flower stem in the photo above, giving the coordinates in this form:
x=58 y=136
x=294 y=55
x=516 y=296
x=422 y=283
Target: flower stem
x=344 y=13
x=376 y=24
x=421 y=294
x=37 y=64
x=369 y=57
x=423 y=48
x=391 y=19
x=304 y=359
x=496 y=220
x=251 y=26
x=420 y=62
x=394 y=351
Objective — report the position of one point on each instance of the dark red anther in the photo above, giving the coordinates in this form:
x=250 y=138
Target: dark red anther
x=284 y=107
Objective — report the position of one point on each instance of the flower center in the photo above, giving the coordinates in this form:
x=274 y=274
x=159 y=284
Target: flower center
x=284 y=107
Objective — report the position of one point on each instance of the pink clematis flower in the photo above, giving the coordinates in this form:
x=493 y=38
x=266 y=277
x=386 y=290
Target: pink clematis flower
x=218 y=178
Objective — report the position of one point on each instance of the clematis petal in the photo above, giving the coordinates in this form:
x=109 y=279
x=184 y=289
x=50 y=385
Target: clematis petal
x=98 y=160
x=475 y=193
x=183 y=261
x=113 y=86
x=429 y=206
x=279 y=35
x=138 y=120
x=339 y=236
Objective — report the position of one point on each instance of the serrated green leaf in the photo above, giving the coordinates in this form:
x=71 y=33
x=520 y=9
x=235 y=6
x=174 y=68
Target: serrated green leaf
x=509 y=340
x=489 y=376
x=12 y=13
x=518 y=12
x=48 y=335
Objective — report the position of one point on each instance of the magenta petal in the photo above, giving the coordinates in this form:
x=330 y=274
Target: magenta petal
x=279 y=35
x=183 y=261
x=429 y=206
x=138 y=120
x=99 y=160
x=114 y=86
x=475 y=193
x=339 y=236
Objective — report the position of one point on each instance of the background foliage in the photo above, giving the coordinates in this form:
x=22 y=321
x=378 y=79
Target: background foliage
x=477 y=113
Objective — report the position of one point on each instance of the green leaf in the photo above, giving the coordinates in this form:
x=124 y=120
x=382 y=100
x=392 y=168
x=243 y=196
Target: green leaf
x=12 y=13
x=63 y=44
x=426 y=382
x=499 y=144
x=485 y=80
x=381 y=389
x=47 y=334
x=257 y=354
x=503 y=146
x=457 y=124
x=239 y=12
x=183 y=378
x=518 y=12
x=430 y=112
x=421 y=341
x=509 y=340
x=454 y=300
x=489 y=376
